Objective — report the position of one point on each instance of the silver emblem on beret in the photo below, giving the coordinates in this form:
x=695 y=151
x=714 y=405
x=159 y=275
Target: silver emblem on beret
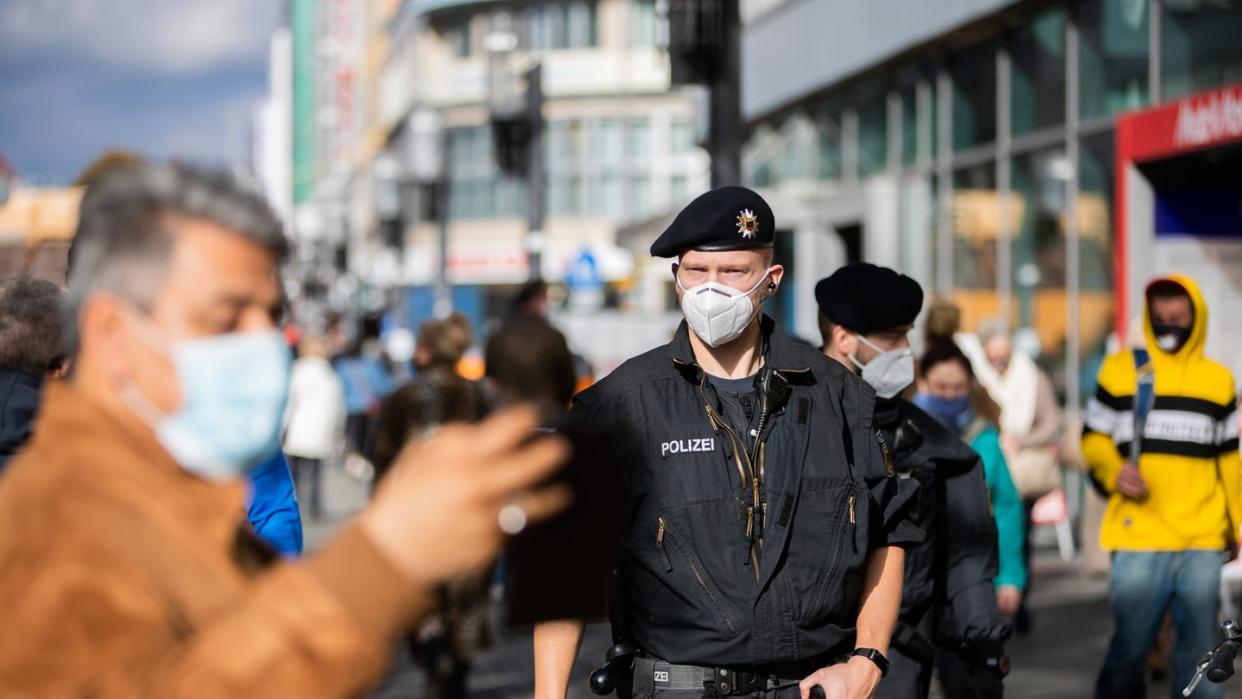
x=747 y=223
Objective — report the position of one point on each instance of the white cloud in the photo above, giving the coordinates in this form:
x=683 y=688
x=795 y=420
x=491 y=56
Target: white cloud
x=152 y=36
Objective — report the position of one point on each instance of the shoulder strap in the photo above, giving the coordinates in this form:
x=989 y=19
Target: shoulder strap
x=1144 y=397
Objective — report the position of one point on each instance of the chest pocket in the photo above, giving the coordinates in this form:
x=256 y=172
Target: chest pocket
x=823 y=556
x=693 y=465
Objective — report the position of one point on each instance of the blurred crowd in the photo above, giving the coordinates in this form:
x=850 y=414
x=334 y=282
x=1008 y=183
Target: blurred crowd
x=353 y=408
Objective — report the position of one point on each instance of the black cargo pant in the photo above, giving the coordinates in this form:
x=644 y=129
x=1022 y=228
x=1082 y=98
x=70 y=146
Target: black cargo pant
x=648 y=686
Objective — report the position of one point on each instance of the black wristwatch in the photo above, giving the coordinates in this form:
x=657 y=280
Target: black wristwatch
x=874 y=656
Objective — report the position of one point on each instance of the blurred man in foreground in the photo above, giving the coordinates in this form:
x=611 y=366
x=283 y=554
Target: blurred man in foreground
x=30 y=351
x=126 y=566
x=1161 y=438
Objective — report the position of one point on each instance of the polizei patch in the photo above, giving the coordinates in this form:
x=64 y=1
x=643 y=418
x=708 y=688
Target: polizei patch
x=688 y=446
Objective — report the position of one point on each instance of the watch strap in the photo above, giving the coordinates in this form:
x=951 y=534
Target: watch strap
x=874 y=656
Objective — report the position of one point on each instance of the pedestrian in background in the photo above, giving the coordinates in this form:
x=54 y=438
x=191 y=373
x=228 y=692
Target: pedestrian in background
x=444 y=643
x=31 y=352
x=946 y=388
x=1161 y=439
x=366 y=382
x=437 y=394
x=314 y=420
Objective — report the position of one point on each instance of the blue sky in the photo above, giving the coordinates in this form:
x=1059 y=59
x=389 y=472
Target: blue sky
x=161 y=77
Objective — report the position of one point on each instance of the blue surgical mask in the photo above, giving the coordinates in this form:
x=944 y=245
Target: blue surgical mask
x=233 y=393
x=953 y=413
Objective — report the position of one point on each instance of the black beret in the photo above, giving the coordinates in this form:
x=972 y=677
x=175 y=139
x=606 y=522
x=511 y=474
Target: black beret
x=866 y=298
x=726 y=218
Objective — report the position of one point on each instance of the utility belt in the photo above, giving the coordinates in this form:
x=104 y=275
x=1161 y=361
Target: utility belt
x=651 y=674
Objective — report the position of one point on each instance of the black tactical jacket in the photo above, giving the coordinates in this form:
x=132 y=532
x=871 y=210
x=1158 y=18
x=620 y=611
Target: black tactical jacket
x=737 y=556
x=950 y=571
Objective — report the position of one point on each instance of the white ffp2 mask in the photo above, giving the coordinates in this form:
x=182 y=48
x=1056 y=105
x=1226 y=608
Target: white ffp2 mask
x=889 y=372
x=718 y=314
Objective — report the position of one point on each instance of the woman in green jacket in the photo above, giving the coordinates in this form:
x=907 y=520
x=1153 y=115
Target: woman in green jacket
x=946 y=384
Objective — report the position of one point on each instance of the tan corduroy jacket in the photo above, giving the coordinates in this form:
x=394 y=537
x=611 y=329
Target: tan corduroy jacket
x=123 y=575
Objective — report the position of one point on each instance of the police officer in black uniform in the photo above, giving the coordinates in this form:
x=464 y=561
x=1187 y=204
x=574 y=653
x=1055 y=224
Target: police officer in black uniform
x=948 y=602
x=763 y=547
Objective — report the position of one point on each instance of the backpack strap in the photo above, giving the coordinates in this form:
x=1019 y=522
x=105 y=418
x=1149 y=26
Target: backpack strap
x=1144 y=397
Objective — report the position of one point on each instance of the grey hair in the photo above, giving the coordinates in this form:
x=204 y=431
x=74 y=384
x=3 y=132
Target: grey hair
x=993 y=329
x=123 y=242
x=30 y=328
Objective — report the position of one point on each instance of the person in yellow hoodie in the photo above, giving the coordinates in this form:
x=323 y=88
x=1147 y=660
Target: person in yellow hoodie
x=1161 y=440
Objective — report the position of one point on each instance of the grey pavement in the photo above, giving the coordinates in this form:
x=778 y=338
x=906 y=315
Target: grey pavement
x=1058 y=659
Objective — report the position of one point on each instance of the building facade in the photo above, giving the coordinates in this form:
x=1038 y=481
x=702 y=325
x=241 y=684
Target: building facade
x=619 y=146
x=972 y=144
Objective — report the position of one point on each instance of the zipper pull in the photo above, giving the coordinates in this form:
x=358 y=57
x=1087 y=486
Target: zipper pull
x=668 y=565
x=750 y=522
x=852 y=519
x=888 y=458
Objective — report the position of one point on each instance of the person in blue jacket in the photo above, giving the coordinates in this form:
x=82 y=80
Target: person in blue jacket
x=273 y=508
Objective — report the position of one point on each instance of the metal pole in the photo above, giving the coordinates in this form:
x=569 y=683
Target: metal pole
x=443 y=190
x=725 y=137
x=1004 y=187
x=1155 y=53
x=1073 y=342
x=944 y=219
x=534 y=173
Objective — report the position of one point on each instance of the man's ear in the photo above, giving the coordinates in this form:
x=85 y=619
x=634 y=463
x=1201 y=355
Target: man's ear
x=775 y=274
x=102 y=337
x=843 y=341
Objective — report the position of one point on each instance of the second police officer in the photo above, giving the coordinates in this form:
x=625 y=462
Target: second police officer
x=764 y=535
x=948 y=604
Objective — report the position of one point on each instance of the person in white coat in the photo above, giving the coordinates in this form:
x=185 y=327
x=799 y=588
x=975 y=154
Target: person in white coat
x=314 y=420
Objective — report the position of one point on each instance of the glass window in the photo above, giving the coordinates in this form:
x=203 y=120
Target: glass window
x=681 y=135
x=1095 y=254
x=511 y=197
x=605 y=137
x=642 y=23
x=557 y=196
x=638 y=140
x=909 y=126
x=828 y=150
x=1201 y=45
x=638 y=197
x=458 y=38
x=611 y=196
x=974 y=96
x=555 y=26
x=1037 y=81
x=575 y=142
x=873 y=134
x=1113 y=48
x=1038 y=250
x=581 y=29
x=976 y=218
x=679 y=191
x=555 y=143
x=549 y=26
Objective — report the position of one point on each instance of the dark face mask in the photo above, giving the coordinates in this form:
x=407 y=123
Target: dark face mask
x=1170 y=338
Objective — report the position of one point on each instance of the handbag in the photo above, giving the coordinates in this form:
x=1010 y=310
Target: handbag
x=1035 y=472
